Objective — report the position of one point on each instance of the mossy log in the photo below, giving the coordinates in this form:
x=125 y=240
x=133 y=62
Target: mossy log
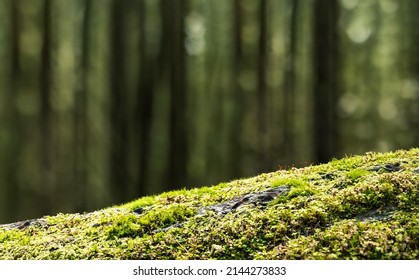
x=360 y=207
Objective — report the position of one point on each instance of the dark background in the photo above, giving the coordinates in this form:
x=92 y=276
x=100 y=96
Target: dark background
x=104 y=101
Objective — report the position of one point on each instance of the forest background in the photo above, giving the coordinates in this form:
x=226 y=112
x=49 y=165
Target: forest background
x=104 y=101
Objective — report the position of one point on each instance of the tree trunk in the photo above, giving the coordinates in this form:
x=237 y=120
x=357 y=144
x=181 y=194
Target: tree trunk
x=263 y=149
x=288 y=121
x=12 y=153
x=80 y=117
x=46 y=114
x=235 y=141
x=326 y=78
x=173 y=16
x=144 y=107
x=118 y=106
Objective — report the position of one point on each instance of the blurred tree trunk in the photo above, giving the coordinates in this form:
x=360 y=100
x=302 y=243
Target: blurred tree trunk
x=413 y=56
x=15 y=140
x=263 y=149
x=235 y=142
x=144 y=106
x=288 y=121
x=80 y=115
x=46 y=189
x=325 y=78
x=118 y=105
x=173 y=33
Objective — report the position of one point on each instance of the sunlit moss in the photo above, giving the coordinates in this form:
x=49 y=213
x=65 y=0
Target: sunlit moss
x=340 y=210
x=356 y=174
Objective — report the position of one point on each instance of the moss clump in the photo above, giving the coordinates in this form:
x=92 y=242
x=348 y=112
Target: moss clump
x=361 y=207
x=356 y=175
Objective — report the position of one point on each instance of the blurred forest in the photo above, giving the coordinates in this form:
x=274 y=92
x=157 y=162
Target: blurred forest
x=104 y=101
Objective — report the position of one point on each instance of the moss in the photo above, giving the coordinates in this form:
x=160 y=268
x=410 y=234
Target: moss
x=356 y=174
x=350 y=208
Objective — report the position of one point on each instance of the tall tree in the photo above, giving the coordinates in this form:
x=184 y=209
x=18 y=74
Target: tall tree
x=413 y=57
x=263 y=149
x=14 y=127
x=118 y=105
x=235 y=140
x=144 y=106
x=80 y=114
x=46 y=112
x=325 y=78
x=173 y=16
x=289 y=86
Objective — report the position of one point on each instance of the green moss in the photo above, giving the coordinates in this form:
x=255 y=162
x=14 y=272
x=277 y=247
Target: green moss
x=301 y=191
x=356 y=174
x=298 y=187
x=351 y=239
x=346 y=209
x=292 y=182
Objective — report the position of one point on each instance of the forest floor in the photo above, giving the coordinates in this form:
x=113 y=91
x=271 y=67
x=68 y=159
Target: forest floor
x=361 y=207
